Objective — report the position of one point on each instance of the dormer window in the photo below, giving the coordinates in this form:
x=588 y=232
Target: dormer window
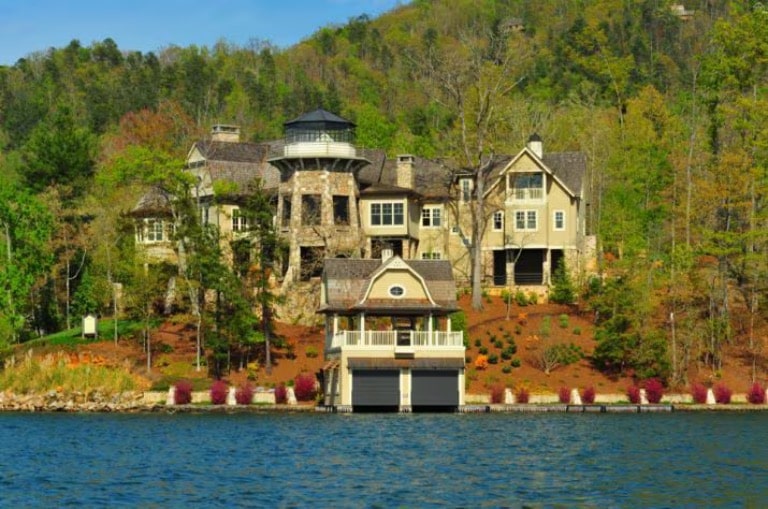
x=527 y=186
x=465 y=187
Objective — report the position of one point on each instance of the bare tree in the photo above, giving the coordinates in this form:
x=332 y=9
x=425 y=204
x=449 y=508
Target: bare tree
x=472 y=78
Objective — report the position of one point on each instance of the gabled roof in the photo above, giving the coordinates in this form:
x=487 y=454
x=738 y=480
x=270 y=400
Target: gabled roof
x=238 y=163
x=568 y=168
x=155 y=202
x=347 y=280
x=431 y=179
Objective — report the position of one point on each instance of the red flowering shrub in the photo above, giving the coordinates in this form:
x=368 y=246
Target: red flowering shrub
x=564 y=395
x=722 y=393
x=281 y=394
x=219 y=391
x=183 y=393
x=756 y=394
x=588 y=395
x=522 y=395
x=305 y=387
x=699 y=393
x=633 y=393
x=244 y=394
x=497 y=394
x=654 y=390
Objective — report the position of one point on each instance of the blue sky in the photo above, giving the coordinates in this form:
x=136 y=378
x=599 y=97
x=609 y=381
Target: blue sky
x=27 y=26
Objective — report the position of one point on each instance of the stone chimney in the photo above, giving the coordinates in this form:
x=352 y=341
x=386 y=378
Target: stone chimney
x=534 y=145
x=404 y=171
x=225 y=133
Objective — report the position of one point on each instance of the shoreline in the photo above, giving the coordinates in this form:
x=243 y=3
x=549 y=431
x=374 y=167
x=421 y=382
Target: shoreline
x=156 y=402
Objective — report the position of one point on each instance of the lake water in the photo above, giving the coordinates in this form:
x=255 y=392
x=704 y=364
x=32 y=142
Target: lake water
x=388 y=460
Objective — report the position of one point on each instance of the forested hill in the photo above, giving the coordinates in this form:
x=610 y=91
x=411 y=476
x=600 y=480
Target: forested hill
x=668 y=101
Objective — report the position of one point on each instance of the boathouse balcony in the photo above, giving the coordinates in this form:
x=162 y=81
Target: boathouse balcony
x=398 y=341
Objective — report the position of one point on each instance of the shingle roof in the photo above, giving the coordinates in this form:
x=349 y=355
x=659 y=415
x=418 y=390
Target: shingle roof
x=154 y=202
x=347 y=279
x=233 y=152
x=569 y=167
x=319 y=115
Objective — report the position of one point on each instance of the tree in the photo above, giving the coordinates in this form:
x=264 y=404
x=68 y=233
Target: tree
x=59 y=152
x=25 y=227
x=472 y=78
x=562 y=291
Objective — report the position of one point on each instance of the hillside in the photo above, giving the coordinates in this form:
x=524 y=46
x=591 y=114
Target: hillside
x=174 y=356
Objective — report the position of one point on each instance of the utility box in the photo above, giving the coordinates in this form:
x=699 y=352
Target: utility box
x=90 y=329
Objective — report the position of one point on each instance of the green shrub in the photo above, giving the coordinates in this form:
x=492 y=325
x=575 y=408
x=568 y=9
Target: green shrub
x=478 y=343
x=563 y=321
x=498 y=344
x=533 y=298
x=577 y=331
x=459 y=324
x=518 y=329
x=311 y=352
x=506 y=296
x=483 y=350
x=520 y=298
x=506 y=370
x=562 y=291
x=493 y=359
x=545 y=329
x=515 y=363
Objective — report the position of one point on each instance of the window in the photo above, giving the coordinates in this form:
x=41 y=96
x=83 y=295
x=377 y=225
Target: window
x=431 y=217
x=341 y=210
x=559 y=220
x=432 y=255
x=239 y=221
x=155 y=230
x=498 y=221
x=465 y=185
x=286 y=218
x=455 y=230
x=310 y=209
x=204 y=217
x=396 y=291
x=526 y=220
x=387 y=214
x=527 y=186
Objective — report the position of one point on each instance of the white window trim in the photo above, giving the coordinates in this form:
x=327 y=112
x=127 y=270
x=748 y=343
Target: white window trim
x=384 y=202
x=432 y=209
x=389 y=291
x=239 y=221
x=493 y=221
x=554 y=220
x=470 y=188
x=525 y=220
x=512 y=194
x=431 y=255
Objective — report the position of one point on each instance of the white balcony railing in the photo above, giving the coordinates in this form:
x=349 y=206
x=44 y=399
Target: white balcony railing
x=529 y=193
x=393 y=339
x=319 y=149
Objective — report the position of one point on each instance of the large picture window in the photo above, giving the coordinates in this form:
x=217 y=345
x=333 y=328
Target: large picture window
x=527 y=186
x=387 y=214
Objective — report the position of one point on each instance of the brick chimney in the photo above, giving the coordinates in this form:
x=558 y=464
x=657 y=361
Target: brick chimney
x=404 y=171
x=225 y=133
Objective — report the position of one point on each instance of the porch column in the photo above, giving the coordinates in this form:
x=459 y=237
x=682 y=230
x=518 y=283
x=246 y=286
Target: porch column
x=429 y=330
x=361 y=317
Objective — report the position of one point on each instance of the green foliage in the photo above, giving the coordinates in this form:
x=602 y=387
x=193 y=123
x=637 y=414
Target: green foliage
x=459 y=324
x=562 y=320
x=520 y=298
x=562 y=290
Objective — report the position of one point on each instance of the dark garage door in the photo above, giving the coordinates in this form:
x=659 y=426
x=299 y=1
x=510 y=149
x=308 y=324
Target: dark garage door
x=377 y=388
x=435 y=388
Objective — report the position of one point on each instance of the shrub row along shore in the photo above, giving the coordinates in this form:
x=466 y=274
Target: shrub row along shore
x=137 y=402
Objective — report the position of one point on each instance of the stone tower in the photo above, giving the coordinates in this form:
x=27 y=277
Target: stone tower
x=318 y=192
